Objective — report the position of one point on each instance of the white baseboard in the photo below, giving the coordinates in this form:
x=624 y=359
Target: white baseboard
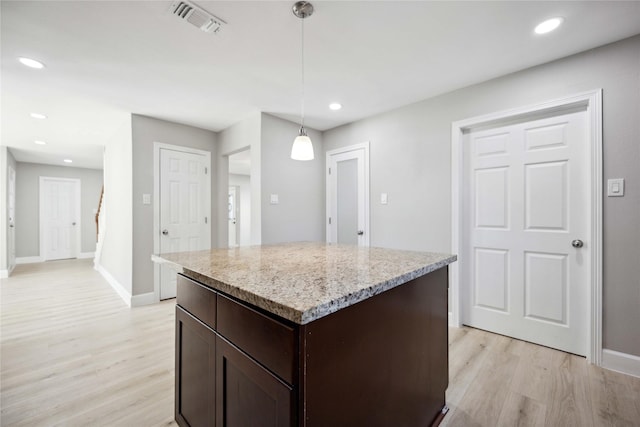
x=120 y=290
x=83 y=255
x=143 y=299
x=4 y=274
x=29 y=259
x=621 y=362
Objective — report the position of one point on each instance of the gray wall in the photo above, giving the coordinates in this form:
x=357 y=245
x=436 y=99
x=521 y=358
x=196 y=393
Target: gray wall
x=410 y=160
x=299 y=216
x=6 y=160
x=146 y=131
x=28 y=204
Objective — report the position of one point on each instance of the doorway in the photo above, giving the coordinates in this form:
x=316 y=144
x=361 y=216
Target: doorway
x=239 y=199
x=183 y=206
x=59 y=218
x=527 y=224
x=348 y=195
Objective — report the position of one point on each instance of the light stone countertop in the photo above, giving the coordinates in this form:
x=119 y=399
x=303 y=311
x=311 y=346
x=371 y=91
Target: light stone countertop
x=304 y=281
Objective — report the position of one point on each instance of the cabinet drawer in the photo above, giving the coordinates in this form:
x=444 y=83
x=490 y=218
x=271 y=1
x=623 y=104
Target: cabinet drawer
x=197 y=299
x=267 y=340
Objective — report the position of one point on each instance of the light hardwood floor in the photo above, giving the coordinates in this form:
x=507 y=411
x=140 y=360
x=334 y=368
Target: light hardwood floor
x=72 y=353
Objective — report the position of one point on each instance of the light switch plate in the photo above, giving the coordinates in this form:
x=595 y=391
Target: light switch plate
x=615 y=187
x=383 y=199
x=274 y=199
x=146 y=199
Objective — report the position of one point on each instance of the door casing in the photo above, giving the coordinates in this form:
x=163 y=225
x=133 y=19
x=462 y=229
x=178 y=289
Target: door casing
x=592 y=103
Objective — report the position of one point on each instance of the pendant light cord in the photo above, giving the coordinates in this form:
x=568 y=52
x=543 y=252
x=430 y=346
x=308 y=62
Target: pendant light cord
x=302 y=67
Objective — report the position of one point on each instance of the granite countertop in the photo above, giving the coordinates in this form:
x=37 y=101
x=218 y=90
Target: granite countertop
x=303 y=282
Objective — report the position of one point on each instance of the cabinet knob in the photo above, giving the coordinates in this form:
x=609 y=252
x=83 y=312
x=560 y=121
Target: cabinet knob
x=165 y=232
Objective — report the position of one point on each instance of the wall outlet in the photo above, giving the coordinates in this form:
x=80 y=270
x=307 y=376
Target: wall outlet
x=146 y=199
x=274 y=199
x=383 y=199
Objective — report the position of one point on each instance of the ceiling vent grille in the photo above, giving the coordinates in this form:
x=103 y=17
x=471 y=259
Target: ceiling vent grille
x=196 y=16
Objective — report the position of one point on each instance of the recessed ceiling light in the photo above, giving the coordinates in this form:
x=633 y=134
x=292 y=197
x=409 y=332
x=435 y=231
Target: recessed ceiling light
x=38 y=116
x=68 y=161
x=40 y=142
x=335 y=106
x=31 y=62
x=548 y=25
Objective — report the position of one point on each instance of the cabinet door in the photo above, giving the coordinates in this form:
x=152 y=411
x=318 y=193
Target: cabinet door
x=247 y=394
x=195 y=372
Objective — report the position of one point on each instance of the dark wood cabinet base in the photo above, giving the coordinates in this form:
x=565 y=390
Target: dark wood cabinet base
x=381 y=362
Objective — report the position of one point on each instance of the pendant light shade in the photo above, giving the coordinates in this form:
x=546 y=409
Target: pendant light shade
x=302 y=148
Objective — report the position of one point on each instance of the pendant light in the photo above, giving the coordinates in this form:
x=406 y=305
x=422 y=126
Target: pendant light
x=302 y=148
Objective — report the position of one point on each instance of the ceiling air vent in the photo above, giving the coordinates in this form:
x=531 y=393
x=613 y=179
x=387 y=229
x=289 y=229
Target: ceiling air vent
x=196 y=16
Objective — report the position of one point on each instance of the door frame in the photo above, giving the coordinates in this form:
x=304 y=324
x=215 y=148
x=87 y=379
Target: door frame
x=329 y=194
x=157 y=146
x=591 y=102
x=77 y=209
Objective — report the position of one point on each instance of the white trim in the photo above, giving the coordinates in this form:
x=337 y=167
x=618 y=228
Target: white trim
x=592 y=100
x=621 y=362
x=28 y=259
x=78 y=212
x=4 y=274
x=143 y=299
x=120 y=290
x=367 y=204
x=157 y=146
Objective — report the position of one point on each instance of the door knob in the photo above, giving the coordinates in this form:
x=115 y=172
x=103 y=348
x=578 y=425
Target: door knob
x=577 y=243
x=360 y=232
x=165 y=232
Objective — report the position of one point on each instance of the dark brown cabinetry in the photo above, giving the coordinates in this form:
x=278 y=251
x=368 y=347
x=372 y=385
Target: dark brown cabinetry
x=195 y=371
x=217 y=384
x=380 y=362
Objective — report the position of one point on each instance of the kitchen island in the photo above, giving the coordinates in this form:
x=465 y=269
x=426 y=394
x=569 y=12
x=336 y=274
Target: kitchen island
x=310 y=334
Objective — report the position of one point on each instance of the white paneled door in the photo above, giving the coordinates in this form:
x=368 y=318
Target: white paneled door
x=184 y=209
x=12 y=219
x=59 y=218
x=527 y=219
x=348 y=195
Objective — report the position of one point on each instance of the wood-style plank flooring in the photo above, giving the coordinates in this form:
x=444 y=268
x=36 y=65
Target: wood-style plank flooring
x=73 y=354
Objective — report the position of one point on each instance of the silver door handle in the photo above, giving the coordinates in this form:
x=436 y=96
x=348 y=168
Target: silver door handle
x=165 y=232
x=360 y=232
x=577 y=243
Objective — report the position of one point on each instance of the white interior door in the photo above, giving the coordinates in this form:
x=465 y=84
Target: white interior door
x=59 y=218
x=526 y=202
x=348 y=195
x=185 y=204
x=12 y=217
x=233 y=216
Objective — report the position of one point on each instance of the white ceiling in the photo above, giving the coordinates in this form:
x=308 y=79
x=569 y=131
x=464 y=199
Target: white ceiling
x=107 y=59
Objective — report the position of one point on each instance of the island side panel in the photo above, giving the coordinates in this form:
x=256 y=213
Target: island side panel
x=381 y=362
